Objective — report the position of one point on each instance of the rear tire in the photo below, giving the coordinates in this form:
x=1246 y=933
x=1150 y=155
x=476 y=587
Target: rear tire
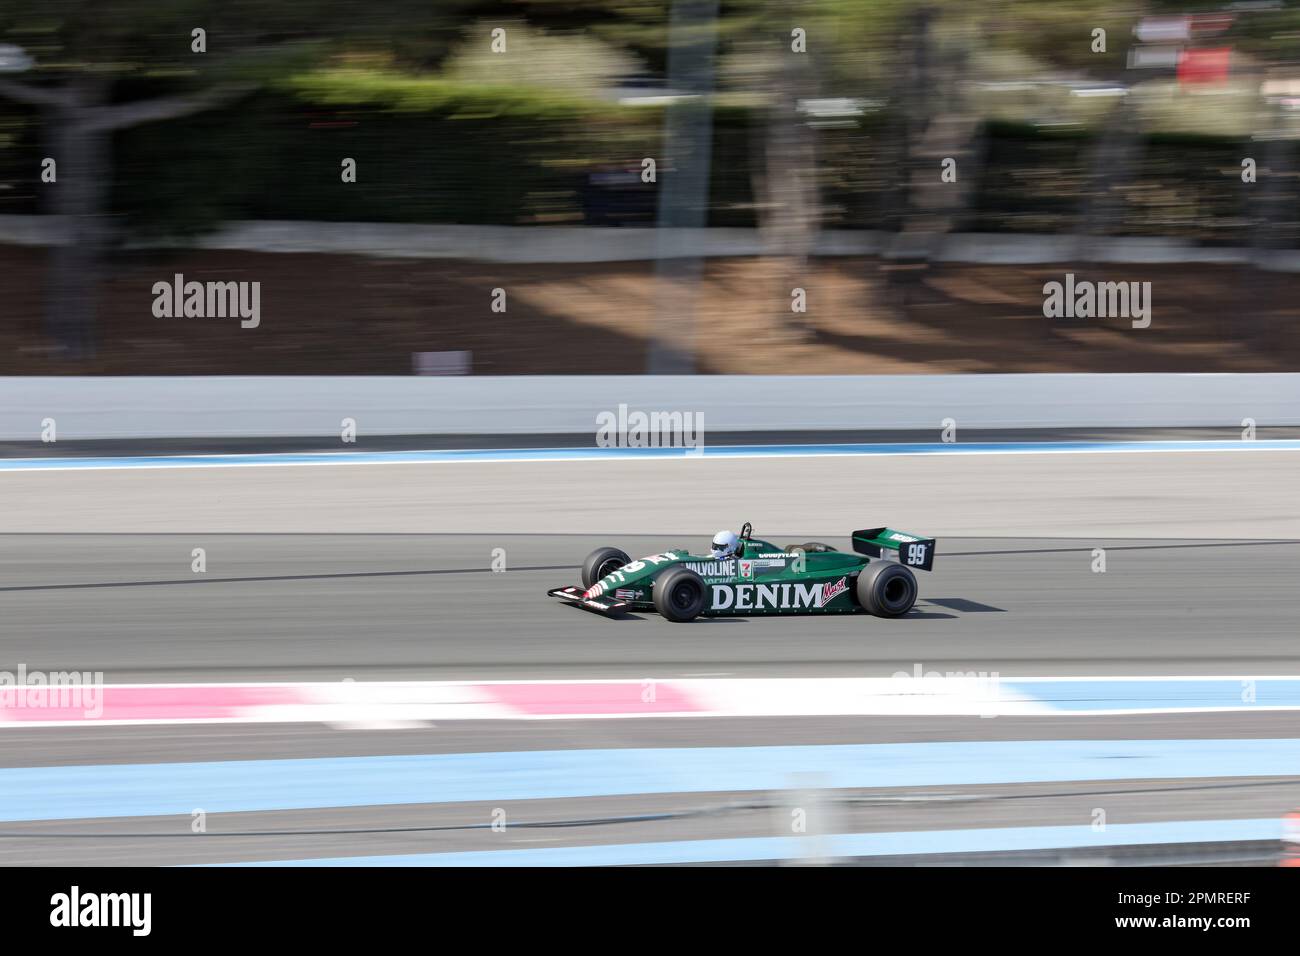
x=601 y=562
x=886 y=589
x=680 y=595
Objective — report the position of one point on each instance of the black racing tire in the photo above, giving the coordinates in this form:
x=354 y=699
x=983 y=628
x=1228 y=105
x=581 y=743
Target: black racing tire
x=680 y=595
x=601 y=562
x=886 y=589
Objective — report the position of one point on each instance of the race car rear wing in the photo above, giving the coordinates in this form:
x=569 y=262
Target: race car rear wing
x=908 y=549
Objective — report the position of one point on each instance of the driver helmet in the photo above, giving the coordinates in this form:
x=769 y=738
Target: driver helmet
x=725 y=544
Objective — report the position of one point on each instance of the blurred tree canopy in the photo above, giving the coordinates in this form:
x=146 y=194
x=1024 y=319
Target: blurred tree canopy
x=153 y=138
x=98 y=67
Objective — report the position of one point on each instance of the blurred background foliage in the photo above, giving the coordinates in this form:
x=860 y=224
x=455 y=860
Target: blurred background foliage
x=445 y=130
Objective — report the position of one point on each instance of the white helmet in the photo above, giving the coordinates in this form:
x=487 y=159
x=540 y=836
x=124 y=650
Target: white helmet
x=724 y=544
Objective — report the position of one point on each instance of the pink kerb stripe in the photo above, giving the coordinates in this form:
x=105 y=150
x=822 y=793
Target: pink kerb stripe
x=611 y=698
x=141 y=703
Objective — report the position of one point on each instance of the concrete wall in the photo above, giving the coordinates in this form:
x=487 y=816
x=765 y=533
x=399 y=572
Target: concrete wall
x=311 y=406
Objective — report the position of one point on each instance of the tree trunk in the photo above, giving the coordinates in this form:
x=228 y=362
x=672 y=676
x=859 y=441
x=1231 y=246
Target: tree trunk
x=1115 y=156
x=82 y=154
x=79 y=127
x=1268 y=206
x=941 y=125
x=684 y=191
x=790 y=203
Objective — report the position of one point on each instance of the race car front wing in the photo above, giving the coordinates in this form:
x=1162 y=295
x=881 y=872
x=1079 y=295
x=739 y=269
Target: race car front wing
x=600 y=605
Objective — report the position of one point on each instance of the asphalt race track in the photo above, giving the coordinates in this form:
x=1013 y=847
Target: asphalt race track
x=1242 y=490
x=410 y=607
x=413 y=828
x=333 y=607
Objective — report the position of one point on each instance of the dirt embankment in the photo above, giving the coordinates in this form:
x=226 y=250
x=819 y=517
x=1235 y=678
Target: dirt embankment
x=323 y=314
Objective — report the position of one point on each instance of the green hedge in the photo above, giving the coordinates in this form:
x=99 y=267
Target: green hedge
x=1185 y=185
x=279 y=157
x=431 y=151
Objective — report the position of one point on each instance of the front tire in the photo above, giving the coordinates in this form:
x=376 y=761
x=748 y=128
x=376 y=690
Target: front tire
x=680 y=595
x=601 y=562
x=886 y=589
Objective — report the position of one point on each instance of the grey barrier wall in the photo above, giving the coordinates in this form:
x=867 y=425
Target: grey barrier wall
x=310 y=406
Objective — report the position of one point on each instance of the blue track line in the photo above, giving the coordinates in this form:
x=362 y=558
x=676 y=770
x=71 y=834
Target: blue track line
x=898 y=843
x=113 y=790
x=621 y=454
x=1159 y=696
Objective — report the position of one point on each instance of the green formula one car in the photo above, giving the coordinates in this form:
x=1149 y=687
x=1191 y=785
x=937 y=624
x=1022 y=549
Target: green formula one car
x=744 y=575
